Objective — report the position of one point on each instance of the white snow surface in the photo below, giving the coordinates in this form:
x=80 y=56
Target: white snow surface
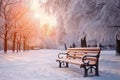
x=42 y=65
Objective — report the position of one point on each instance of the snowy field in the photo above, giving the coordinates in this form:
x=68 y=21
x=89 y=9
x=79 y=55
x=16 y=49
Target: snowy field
x=42 y=65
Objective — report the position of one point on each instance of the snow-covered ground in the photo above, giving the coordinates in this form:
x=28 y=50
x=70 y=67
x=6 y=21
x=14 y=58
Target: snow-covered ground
x=42 y=65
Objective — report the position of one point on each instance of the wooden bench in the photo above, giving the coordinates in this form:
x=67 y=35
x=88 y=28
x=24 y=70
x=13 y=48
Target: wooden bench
x=87 y=58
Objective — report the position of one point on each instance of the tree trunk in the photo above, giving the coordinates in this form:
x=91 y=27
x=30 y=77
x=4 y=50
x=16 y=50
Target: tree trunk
x=5 y=44
x=14 y=42
x=19 y=44
x=24 y=45
x=118 y=44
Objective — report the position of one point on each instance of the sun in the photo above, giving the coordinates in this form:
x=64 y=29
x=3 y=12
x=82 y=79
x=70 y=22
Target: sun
x=41 y=15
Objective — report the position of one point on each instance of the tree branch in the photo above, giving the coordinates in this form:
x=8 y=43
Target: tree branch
x=14 y=2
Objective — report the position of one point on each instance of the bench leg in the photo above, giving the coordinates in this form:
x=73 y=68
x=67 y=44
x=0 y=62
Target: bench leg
x=91 y=67
x=67 y=64
x=86 y=71
x=63 y=63
x=59 y=64
x=96 y=71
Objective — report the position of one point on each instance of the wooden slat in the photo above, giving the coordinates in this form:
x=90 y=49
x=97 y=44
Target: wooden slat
x=95 y=50
x=75 y=61
x=74 y=55
x=85 y=48
x=78 y=52
x=92 y=59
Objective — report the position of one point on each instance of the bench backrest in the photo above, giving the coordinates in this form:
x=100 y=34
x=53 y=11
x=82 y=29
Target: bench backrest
x=78 y=52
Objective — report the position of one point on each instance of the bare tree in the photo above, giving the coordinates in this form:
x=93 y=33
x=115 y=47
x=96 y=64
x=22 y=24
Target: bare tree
x=16 y=28
x=5 y=10
x=27 y=35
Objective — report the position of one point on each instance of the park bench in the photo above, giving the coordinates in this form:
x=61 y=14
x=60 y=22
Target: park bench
x=87 y=58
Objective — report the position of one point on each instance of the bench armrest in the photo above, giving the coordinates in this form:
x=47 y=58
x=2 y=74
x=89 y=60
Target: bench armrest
x=86 y=59
x=62 y=55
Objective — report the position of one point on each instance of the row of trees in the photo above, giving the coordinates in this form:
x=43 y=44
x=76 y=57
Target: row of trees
x=14 y=26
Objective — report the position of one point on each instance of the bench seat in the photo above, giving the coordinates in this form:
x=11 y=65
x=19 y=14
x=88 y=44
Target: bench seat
x=75 y=61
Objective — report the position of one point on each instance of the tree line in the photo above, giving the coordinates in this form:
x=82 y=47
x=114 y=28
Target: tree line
x=14 y=26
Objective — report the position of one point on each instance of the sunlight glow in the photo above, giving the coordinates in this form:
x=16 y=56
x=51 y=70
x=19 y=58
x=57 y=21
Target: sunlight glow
x=36 y=15
x=40 y=14
x=47 y=19
x=34 y=5
x=43 y=1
